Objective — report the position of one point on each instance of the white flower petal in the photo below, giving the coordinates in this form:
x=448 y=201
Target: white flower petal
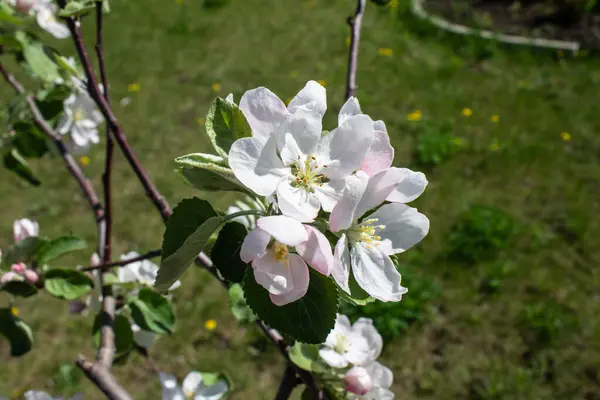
x=329 y=193
x=192 y=382
x=376 y=273
x=286 y=230
x=381 y=152
x=409 y=188
x=214 y=392
x=344 y=213
x=378 y=393
x=300 y=280
x=313 y=95
x=64 y=123
x=305 y=126
x=263 y=110
x=37 y=395
x=364 y=327
x=378 y=189
x=381 y=375
x=344 y=148
x=296 y=202
x=24 y=228
x=333 y=358
x=404 y=226
x=350 y=108
x=358 y=351
x=255 y=163
x=289 y=151
x=341 y=266
x=254 y=245
x=316 y=251
x=48 y=22
x=272 y=274
x=170 y=389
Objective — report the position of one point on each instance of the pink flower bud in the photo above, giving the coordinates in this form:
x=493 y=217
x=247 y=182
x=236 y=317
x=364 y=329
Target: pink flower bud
x=358 y=381
x=95 y=260
x=10 y=276
x=24 y=6
x=18 y=268
x=31 y=276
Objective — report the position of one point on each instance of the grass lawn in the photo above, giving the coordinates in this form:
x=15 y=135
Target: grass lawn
x=513 y=205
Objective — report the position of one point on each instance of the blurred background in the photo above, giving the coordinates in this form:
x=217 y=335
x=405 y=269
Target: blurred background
x=503 y=293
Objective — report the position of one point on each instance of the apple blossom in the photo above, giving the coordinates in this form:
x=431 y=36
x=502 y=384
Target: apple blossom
x=80 y=119
x=288 y=156
x=23 y=228
x=143 y=271
x=193 y=387
x=20 y=272
x=10 y=276
x=285 y=275
x=356 y=344
x=365 y=245
x=371 y=382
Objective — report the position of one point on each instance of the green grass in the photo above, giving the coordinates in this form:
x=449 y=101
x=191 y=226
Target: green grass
x=476 y=343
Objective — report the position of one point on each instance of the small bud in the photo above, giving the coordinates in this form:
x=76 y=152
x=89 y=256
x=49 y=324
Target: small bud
x=18 y=268
x=358 y=381
x=31 y=276
x=10 y=276
x=24 y=6
x=24 y=228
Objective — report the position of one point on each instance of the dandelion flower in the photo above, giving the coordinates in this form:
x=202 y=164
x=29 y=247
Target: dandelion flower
x=495 y=118
x=85 y=160
x=467 y=112
x=385 y=51
x=134 y=87
x=566 y=136
x=322 y=82
x=14 y=311
x=416 y=115
x=210 y=325
x=216 y=87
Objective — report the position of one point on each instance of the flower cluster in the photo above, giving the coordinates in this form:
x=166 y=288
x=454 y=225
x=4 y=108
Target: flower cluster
x=22 y=229
x=338 y=185
x=196 y=385
x=355 y=348
x=45 y=15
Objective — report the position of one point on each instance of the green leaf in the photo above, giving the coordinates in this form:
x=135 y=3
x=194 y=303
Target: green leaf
x=29 y=140
x=36 y=57
x=75 y=8
x=152 y=312
x=123 y=333
x=67 y=284
x=16 y=332
x=188 y=230
x=58 y=247
x=204 y=172
x=17 y=164
x=225 y=123
x=19 y=288
x=225 y=253
x=105 y=6
x=24 y=251
x=237 y=303
x=307 y=320
x=306 y=356
x=7 y=14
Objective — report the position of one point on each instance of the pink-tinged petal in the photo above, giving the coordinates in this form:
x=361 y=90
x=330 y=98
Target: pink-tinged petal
x=300 y=279
x=344 y=213
x=376 y=273
x=10 y=276
x=350 y=108
x=344 y=148
x=378 y=189
x=254 y=245
x=31 y=276
x=296 y=202
x=316 y=251
x=272 y=274
x=286 y=230
x=255 y=163
x=381 y=375
x=329 y=193
x=364 y=327
x=404 y=226
x=23 y=228
x=263 y=110
x=313 y=95
x=358 y=381
x=19 y=268
x=341 y=266
x=381 y=152
x=305 y=126
x=410 y=187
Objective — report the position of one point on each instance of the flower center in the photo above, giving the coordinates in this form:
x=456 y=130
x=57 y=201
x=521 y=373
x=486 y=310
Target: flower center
x=341 y=344
x=189 y=394
x=308 y=174
x=281 y=252
x=366 y=232
x=78 y=114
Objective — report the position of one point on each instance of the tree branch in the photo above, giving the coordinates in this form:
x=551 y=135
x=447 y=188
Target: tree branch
x=120 y=263
x=102 y=378
x=355 y=23
x=288 y=384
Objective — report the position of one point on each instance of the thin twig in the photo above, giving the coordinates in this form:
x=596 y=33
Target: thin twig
x=355 y=23
x=120 y=263
x=102 y=378
x=288 y=384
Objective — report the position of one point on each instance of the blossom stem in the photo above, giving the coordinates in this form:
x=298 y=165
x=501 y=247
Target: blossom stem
x=355 y=23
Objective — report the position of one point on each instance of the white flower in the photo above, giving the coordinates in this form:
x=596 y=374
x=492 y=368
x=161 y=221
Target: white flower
x=249 y=221
x=81 y=119
x=288 y=156
x=371 y=382
x=285 y=275
x=143 y=272
x=357 y=344
x=193 y=388
x=367 y=245
x=141 y=337
x=24 y=228
x=45 y=11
